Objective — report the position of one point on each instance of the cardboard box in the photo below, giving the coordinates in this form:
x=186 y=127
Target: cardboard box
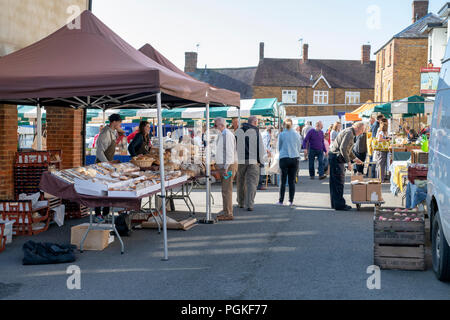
x=359 y=192
x=95 y=240
x=374 y=192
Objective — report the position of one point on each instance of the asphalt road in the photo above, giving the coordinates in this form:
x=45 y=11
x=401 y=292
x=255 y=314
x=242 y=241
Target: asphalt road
x=305 y=252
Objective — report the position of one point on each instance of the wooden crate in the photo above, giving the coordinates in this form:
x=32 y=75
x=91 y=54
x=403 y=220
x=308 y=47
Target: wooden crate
x=399 y=245
x=399 y=257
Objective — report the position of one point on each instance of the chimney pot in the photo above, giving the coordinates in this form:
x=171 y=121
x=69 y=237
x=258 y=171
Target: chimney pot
x=190 y=62
x=305 y=53
x=365 y=53
x=420 y=10
x=261 y=51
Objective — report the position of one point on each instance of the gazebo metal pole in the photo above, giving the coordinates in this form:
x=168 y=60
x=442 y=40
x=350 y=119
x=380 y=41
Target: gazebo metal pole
x=208 y=168
x=239 y=117
x=162 y=174
x=39 y=126
x=208 y=219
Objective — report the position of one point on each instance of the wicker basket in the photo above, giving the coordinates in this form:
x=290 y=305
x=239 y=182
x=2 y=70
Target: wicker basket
x=143 y=163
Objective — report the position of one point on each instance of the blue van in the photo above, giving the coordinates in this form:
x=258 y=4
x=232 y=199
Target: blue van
x=438 y=198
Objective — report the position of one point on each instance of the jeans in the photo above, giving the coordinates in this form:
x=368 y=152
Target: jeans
x=337 y=181
x=312 y=157
x=288 y=168
x=325 y=163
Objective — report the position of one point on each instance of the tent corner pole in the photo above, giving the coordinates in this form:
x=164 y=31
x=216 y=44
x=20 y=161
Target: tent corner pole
x=208 y=219
x=39 y=126
x=162 y=174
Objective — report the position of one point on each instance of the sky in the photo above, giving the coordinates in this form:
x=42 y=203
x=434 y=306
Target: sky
x=228 y=32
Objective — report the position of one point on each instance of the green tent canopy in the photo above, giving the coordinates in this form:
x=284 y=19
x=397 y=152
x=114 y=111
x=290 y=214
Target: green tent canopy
x=407 y=107
x=249 y=107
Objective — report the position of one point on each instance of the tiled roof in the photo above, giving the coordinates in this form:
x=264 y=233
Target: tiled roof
x=350 y=74
x=414 y=31
x=234 y=79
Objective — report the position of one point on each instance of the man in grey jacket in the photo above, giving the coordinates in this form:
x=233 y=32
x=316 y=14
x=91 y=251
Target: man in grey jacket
x=341 y=153
x=106 y=148
x=251 y=156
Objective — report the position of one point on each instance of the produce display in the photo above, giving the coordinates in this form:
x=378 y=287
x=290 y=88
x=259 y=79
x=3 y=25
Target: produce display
x=399 y=214
x=117 y=179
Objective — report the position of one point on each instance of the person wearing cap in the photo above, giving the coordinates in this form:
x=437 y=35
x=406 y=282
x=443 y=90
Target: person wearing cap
x=106 y=148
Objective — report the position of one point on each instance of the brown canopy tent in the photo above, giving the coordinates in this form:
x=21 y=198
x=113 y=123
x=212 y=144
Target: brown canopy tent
x=214 y=94
x=91 y=66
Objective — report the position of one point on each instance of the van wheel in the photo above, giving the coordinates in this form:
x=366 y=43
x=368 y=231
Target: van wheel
x=441 y=250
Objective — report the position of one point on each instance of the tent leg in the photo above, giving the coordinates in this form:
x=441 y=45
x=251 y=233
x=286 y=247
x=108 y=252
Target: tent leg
x=163 y=178
x=39 y=127
x=208 y=219
x=239 y=117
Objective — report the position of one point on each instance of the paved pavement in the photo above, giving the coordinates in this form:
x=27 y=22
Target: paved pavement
x=305 y=252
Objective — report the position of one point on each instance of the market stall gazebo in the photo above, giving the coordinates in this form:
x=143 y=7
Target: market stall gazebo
x=91 y=66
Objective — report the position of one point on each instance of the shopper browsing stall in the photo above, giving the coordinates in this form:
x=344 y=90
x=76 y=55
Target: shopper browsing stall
x=289 y=147
x=251 y=156
x=141 y=144
x=106 y=148
x=315 y=140
x=225 y=159
x=341 y=153
x=267 y=139
x=381 y=148
x=360 y=151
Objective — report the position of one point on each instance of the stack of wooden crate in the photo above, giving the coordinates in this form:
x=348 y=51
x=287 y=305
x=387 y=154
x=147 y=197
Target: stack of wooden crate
x=399 y=244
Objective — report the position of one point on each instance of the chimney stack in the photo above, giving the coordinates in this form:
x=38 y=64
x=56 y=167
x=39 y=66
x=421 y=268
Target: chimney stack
x=305 y=52
x=190 y=62
x=420 y=10
x=261 y=51
x=365 y=53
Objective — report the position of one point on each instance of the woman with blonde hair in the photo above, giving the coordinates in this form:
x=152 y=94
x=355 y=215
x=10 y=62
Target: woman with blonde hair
x=335 y=131
x=380 y=156
x=289 y=147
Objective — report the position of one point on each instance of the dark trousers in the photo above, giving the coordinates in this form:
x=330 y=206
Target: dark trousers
x=360 y=167
x=288 y=168
x=337 y=181
x=372 y=169
x=312 y=157
x=98 y=211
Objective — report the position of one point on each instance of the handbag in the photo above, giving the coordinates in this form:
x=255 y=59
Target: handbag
x=380 y=145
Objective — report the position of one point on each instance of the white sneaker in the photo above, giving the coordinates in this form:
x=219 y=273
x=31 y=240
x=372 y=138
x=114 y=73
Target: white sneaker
x=280 y=204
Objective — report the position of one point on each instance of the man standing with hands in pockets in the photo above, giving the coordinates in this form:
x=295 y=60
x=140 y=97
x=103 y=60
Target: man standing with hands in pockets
x=341 y=152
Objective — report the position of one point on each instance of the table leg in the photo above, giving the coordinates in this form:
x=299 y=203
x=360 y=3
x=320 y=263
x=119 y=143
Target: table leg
x=117 y=234
x=87 y=231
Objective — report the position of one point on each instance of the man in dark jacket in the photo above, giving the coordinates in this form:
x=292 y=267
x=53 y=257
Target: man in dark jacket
x=251 y=156
x=341 y=153
x=360 y=151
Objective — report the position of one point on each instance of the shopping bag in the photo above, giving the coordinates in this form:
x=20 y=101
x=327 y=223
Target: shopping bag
x=274 y=167
x=380 y=145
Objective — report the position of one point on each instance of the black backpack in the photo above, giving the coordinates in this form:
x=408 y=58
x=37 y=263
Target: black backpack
x=123 y=224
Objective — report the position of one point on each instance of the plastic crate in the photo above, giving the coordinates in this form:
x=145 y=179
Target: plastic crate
x=417 y=173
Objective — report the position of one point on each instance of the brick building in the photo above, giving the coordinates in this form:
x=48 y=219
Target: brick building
x=21 y=24
x=234 y=79
x=315 y=87
x=399 y=61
